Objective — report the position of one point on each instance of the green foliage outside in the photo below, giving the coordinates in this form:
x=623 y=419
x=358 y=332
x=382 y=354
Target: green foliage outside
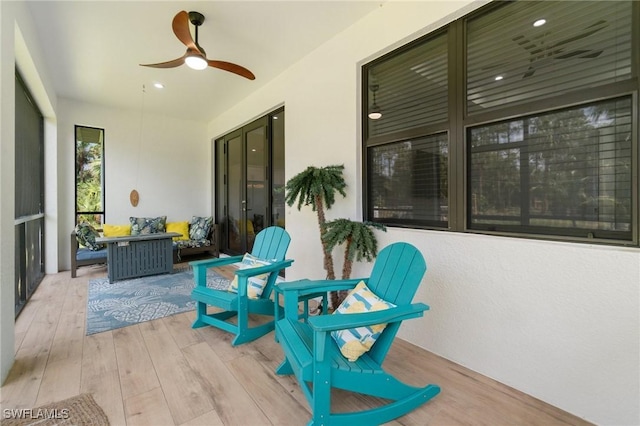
x=89 y=182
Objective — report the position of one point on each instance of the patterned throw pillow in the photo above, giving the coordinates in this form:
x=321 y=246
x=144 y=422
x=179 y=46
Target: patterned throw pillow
x=147 y=225
x=354 y=342
x=199 y=227
x=86 y=236
x=256 y=284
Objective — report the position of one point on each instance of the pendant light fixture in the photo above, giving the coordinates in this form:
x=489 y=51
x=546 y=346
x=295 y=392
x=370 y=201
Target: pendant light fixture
x=374 y=112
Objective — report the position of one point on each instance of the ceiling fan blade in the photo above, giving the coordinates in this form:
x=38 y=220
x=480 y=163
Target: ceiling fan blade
x=590 y=54
x=180 y=27
x=169 y=64
x=236 y=69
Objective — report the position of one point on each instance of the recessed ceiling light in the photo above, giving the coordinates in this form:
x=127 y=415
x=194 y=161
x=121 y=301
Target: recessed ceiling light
x=539 y=22
x=253 y=150
x=158 y=85
x=498 y=77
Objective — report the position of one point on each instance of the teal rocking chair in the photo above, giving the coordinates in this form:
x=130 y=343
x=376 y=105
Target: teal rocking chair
x=313 y=356
x=270 y=244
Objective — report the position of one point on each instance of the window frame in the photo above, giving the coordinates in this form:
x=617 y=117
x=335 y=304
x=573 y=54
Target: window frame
x=102 y=175
x=460 y=123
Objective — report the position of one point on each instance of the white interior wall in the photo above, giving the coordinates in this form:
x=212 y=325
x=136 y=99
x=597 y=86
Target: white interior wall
x=7 y=189
x=556 y=320
x=20 y=48
x=165 y=159
x=559 y=321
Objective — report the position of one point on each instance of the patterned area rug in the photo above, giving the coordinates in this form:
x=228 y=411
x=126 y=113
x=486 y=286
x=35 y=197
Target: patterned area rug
x=122 y=303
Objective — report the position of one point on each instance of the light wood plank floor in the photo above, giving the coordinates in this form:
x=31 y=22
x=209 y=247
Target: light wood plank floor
x=163 y=372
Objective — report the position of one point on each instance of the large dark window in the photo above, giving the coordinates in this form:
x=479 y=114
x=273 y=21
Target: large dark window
x=519 y=119
x=580 y=46
x=568 y=170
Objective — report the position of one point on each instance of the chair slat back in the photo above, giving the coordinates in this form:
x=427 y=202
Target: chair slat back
x=271 y=243
x=397 y=272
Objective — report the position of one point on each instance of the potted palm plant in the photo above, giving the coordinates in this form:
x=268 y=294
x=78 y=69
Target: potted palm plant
x=317 y=187
x=360 y=243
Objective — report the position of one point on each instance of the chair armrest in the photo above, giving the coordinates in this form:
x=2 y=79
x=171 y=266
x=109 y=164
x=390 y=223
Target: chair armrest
x=258 y=270
x=303 y=290
x=214 y=263
x=200 y=267
x=326 y=323
x=271 y=269
x=305 y=286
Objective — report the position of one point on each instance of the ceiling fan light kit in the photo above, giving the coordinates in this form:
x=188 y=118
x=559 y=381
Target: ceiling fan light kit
x=196 y=62
x=195 y=57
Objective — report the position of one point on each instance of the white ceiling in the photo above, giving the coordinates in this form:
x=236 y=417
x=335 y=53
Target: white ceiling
x=93 y=48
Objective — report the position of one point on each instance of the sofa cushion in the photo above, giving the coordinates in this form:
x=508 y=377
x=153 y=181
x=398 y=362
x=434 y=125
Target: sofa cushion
x=86 y=254
x=147 y=225
x=191 y=243
x=199 y=227
x=116 y=230
x=180 y=228
x=86 y=236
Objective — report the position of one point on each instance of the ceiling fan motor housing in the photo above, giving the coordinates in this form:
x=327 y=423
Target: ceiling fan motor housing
x=196 y=18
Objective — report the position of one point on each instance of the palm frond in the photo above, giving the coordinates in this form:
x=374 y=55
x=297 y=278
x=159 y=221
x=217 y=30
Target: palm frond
x=306 y=185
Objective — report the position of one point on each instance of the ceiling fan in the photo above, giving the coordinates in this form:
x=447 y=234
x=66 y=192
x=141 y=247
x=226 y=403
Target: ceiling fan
x=545 y=48
x=195 y=57
x=557 y=50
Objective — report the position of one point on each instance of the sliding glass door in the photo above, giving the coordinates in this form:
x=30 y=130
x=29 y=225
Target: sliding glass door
x=244 y=190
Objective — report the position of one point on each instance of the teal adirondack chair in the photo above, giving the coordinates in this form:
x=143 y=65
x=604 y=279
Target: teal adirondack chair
x=270 y=244
x=315 y=359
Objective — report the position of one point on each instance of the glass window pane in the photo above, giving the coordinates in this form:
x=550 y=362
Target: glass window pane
x=234 y=191
x=568 y=171
x=581 y=45
x=89 y=175
x=277 y=162
x=409 y=89
x=408 y=181
x=221 y=192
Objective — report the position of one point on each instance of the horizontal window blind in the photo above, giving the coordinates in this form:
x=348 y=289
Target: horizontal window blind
x=510 y=61
x=409 y=181
x=410 y=88
x=568 y=169
x=540 y=122
x=29 y=154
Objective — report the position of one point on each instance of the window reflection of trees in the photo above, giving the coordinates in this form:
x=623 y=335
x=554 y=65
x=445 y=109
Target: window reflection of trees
x=563 y=169
x=410 y=181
